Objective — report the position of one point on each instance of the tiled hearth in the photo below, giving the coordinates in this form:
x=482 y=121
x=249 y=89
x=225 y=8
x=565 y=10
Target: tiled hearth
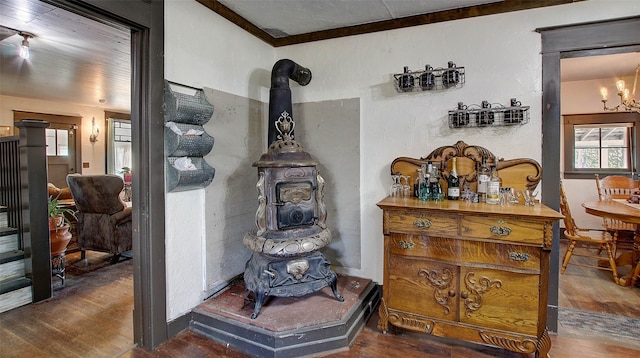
x=289 y=326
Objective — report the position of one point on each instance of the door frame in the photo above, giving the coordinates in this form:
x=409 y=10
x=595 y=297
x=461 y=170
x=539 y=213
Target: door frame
x=145 y=20
x=576 y=40
x=75 y=121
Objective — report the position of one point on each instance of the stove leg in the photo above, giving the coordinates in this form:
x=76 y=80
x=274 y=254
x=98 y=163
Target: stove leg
x=260 y=298
x=334 y=288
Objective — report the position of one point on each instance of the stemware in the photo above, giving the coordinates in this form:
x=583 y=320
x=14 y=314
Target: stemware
x=406 y=189
x=396 y=187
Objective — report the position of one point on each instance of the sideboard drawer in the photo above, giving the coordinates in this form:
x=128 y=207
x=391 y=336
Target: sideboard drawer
x=454 y=250
x=506 y=229
x=429 y=223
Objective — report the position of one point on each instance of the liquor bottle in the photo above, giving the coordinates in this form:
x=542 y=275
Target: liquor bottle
x=450 y=76
x=486 y=115
x=483 y=178
x=424 y=190
x=453 y=183
x=406 y=80
x=427 y=79
x=416 y=183
x=493 y=187
x=434 y=183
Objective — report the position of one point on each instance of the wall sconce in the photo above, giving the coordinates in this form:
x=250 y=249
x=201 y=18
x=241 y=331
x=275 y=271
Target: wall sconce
x=24 y=48
x=5 y=131
x=94 y=131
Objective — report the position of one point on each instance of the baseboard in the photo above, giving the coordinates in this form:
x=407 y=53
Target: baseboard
x=182 y=323
x=179 y=324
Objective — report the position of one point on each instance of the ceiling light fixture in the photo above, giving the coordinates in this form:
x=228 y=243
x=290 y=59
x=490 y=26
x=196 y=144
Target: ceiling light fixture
x=628 y=101
x=24 y=48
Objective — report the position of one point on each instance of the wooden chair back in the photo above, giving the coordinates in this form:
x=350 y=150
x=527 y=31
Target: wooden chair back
x=570 y=226
x=615 y=187
x=520 y=174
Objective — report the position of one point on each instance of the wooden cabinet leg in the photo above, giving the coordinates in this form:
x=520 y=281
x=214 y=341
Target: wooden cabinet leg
x=383 y=323
x=544 y=345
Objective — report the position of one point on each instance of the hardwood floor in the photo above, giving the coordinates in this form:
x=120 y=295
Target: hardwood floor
x=398 y=344
x=91 y=316
x=588 y=289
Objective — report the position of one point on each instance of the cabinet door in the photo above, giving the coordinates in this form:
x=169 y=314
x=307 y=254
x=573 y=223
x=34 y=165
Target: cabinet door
x=423 y=287
x=499 y=299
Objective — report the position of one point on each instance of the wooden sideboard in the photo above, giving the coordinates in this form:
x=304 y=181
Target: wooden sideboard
x=471 y=271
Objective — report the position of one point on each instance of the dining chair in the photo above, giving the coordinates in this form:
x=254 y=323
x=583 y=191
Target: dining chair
x=616 y=187
x=593 y=238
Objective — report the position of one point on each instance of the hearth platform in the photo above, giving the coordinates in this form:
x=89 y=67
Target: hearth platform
x=289 y=326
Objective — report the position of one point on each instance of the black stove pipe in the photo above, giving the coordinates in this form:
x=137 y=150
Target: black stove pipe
x=280 y=93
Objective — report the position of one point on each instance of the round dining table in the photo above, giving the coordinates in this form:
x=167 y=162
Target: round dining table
x=618 y=210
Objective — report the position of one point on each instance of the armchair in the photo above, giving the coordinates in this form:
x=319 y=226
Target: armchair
x=104 y=221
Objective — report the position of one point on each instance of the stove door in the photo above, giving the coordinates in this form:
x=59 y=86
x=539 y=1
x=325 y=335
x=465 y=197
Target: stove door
x=295 y=204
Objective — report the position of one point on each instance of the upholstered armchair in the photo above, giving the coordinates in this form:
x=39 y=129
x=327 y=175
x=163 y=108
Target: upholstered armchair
x=104 y=220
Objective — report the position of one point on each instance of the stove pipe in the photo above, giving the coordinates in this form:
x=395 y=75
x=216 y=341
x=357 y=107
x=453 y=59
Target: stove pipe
x=280 y=93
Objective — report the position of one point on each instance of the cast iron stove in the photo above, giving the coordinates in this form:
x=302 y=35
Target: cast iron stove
x=291 y=215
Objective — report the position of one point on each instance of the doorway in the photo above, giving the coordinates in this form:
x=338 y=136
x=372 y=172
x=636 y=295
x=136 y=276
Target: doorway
x=587 y=39
x=61 y=152
x=145 y=21
x=62 y=142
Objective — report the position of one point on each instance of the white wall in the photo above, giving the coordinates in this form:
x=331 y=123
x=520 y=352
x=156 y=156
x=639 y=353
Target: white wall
x=203 y=50
x=579 y=97
x=92 y=153
x=501 y=55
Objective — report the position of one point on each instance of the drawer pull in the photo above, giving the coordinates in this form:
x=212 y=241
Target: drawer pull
x=406 y=245
x=518 y=256
x=422 y=224
x=501 y=230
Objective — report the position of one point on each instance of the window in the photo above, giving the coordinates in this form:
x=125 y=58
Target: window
x=603 y=143
x=119 y=154
x=57 y=142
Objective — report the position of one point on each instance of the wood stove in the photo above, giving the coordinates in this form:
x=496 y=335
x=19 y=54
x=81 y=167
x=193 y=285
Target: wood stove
x=291 y=215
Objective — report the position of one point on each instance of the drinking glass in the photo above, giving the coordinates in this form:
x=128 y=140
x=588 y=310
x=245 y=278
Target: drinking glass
x=396 y=188
x=406 y=189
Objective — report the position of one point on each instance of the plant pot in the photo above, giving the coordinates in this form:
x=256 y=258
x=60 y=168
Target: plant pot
x=55 y=223
x=59 y=238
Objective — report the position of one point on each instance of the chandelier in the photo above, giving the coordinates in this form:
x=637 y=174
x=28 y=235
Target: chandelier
x=628 y=101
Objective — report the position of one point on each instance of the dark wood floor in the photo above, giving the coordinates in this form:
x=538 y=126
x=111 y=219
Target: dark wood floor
x=91 y=316
x=398 y=344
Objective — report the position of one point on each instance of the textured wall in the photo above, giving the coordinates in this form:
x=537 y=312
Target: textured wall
x=501 y=54
x=330 y=132
x=231 y=200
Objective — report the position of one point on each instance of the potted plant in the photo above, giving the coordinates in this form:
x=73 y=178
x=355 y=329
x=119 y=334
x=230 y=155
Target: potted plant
x=59 y=226
x=126 y=172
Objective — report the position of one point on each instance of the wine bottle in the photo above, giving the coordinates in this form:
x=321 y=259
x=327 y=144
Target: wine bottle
x=453 y=183
x=483 y=178
x=493 y=187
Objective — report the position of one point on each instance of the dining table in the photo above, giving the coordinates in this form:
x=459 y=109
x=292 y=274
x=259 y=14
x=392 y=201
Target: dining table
x=619 y=209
